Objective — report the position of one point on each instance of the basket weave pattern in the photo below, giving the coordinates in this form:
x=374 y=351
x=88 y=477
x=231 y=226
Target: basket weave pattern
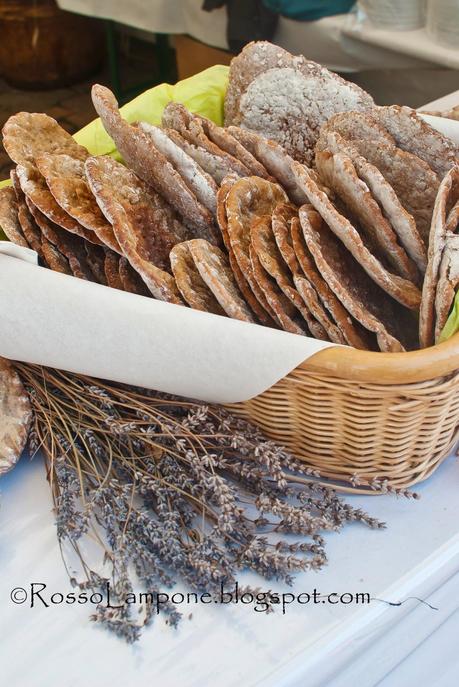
x=345 y=427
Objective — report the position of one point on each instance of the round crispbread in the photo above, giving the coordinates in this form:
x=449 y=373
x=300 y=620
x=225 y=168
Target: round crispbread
x=447 y=193
x=15 y=416
x=191 y=285
x=214 y=268
x=340 y=175
x=145 y=226
x=65 y=178
x=362 y=298
x=402 y=290
x=144 y=158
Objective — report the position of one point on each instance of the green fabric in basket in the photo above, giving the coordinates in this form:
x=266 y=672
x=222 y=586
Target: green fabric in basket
x=203 y=93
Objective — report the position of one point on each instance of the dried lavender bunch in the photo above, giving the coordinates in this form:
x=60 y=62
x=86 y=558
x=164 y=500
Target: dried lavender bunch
x=173 y=490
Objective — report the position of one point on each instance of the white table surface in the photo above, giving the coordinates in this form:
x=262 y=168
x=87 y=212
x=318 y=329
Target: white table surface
x=322 y=40
x=417 y=555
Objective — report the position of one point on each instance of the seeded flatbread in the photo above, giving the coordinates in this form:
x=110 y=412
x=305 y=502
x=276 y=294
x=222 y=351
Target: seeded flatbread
x=15 y=416
x=361 y=297
x=259 y=57
x=26 y=135
x=358 y=126
x=176 y=116
x=448 y=282
x=145 y=226
x=213 y=164
x=285 y=312
x=452 y=222
x=286 y=228
x=142 y=156
x=224 y=139
x=401 y=221
x=9 y=221
x=255 y=58
x=340 y=174
x=112 y=270
x=29 y=228
x=69 y=245
x=297 y=288
x=191 y=285
x=54 y=258
x=214 y=268
x=247 y=199
x=130 y=280
x=404 y=291
x=412 y=133
x=65 y=178
x=289 y=107
x=446 y=196
x=260 y=305
x=201 y=183
x=34 y=187
x=95 y=256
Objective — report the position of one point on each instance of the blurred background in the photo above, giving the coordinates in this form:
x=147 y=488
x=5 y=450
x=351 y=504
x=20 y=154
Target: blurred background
x=402 y=51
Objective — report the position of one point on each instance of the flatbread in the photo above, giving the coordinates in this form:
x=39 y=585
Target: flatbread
x=353 y=332
x=246 y=200
x=289 y=107
x=112 y=270
x=67 y=244
x=95 y=256
x=9 y=221
x=191 y=285
x=340 y=174
x=298 y=289
x=214 y=268
x=404 y=291
x=142 y=156
x=401 y=221
x=27 y=135
x=130 y=280
x=176 y=116
x=15 y=416
x=285 y=312
x=54 y=258
x=224 y=139
x=445 y=199
x=255 y=58
x=274 y=158
x=286 y=228
x=66 y=180
x=34 y=187
x=412 y=133
x=261 y=308
x=358 y=126
x=448 y=282
x=452 y=221
x=145 y=226
x=200 y=182
x=361 y=297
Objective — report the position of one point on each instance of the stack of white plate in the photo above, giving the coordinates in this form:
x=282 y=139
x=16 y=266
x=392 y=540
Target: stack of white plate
x=397 y=15
x=443 y=22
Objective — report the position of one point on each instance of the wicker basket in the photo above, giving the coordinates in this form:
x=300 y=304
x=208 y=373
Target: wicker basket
x=380 y=416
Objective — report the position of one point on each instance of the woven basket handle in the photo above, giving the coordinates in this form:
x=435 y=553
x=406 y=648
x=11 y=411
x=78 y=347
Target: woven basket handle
x=387 y=368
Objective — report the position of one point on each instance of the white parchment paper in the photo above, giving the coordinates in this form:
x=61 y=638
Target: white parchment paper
x=59 y=321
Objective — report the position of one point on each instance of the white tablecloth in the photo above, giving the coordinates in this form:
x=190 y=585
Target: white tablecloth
x=321 y=645
x=322 y=41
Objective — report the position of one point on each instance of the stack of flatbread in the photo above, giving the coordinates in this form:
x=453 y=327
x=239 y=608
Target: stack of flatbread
x=311 y=210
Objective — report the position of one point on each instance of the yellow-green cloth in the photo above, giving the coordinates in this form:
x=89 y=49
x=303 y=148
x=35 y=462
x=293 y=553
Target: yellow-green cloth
x=203 y=93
